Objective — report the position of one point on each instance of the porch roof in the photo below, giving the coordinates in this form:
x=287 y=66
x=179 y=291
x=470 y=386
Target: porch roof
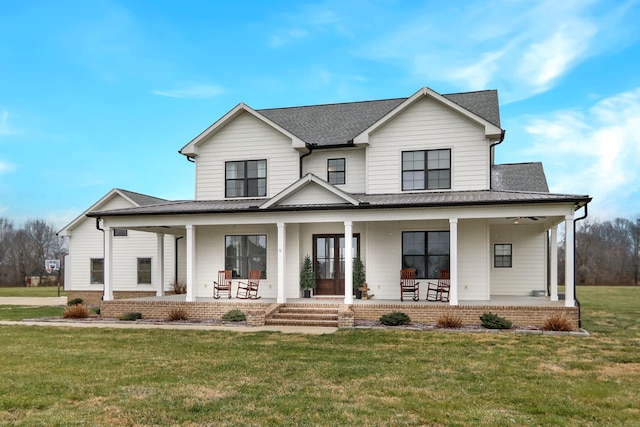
x=366 y=201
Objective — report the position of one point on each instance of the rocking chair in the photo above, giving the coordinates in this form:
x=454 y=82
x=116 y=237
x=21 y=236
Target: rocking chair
x=408 y=284
x=249 y=289
x=223 y=285
x=439 y=291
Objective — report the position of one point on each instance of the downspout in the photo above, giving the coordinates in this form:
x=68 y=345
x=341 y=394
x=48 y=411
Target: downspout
x=103 y=237
x=176 y=258
x=491 y=157
x=575 y=296
x=189 y=158
x=309 y=147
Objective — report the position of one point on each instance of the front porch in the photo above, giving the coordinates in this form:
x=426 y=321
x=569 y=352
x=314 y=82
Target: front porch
x=521 y=310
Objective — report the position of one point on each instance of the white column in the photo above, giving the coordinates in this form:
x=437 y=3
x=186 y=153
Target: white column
x=108 y=264
x=553 y=260
x=453 y=260
x=191 y=262
x=348 y=262
x=569 y=261
x=282 y=236
x=160 y=264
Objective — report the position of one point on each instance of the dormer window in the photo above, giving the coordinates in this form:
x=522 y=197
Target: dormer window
x=336 y=171
x=426 y=170
x=246 y=178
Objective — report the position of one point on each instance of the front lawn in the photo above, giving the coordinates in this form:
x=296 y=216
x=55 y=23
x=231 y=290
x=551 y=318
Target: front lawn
x=38 y=291
x=67 y=376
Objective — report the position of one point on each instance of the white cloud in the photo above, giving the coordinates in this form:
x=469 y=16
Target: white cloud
x=191 y=92
x=5 y=129
x=594 y=152
x=6 y=167
x=285 y=37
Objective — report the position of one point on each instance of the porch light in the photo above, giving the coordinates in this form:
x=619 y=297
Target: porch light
x=516 y=221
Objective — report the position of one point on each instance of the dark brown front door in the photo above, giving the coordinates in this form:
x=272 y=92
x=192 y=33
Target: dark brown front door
x=328 y=258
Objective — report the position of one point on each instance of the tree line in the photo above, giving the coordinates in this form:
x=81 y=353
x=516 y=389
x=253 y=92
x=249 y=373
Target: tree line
x=23 y=250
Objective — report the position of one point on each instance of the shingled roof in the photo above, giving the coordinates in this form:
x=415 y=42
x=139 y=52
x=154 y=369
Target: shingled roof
x=519 y=177
x=141 y=199
x=331 y=124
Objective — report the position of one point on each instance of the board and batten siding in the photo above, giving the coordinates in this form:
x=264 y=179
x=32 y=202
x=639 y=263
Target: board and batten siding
x=86 y=242
x=528 y=271
x=355 y=182
x=428 y=125
x=245 y=138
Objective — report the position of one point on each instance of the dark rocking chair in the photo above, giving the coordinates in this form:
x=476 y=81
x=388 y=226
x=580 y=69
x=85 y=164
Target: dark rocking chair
x=223 y=285
x=439 y=291
x=408 y=284
x=249 y=289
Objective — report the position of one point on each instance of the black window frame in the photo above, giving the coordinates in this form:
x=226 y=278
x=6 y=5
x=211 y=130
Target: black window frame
x=426 y=258
x=337 y=171
x=425 y=177
x=247 y=185
x=139 y=272
x=503 y=260
x=96 y=275
x=243 y=261
x=120 y=232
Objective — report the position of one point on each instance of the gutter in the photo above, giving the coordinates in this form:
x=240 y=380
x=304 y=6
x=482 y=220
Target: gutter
x=491 y=157
x=575 y=295
x=312 y=147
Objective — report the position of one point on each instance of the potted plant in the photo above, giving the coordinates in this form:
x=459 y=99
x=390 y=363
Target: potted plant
x=307 y=278
x=359 y=276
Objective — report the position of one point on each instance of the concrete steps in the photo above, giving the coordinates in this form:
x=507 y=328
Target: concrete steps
x=304 y=316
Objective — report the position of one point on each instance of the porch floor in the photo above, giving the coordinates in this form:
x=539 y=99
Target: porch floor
x=496 y=301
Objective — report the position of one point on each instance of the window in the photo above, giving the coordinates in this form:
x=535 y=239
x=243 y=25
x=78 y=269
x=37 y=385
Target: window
x=97 y=271
x=426 y=170
x=502 y=255
x=246 y=178
x=336 y=171
x=144 y=271
x=119 y=232
x=244 y=253
x=425 y=251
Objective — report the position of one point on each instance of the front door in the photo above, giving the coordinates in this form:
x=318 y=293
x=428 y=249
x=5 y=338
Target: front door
x=328 y=259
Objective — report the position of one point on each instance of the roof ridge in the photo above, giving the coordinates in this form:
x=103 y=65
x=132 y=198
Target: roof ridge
x=332 y=104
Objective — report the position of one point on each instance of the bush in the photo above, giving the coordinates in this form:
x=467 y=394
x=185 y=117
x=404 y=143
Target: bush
x=76 y=312
x=179 y=287
x=493 y=321
x=75 y=301
x=448 y=320
x=234 y=316
x=395 y=318
x=130 y=316
x=177 y=314
x=557 y=322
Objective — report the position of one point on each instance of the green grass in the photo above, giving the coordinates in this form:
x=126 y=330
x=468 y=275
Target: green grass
x=69 y=377
x=43 y=291
x=15 y=312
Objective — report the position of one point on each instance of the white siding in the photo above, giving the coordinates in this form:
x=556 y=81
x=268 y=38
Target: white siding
x=427 y=125
x=355 y=182
x=473 y=260
x=528 y=260
x=312 y=194
x=245 y=138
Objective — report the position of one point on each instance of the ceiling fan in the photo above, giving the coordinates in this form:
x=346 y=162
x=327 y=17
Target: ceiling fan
x=517 y=219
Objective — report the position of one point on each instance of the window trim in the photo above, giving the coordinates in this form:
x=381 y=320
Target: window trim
x=92 y=271
x=245 y=179
x=503 y=258
x=425 y=170
x=337 y=172
x=425 y=254
x=138 y=270
x=245 y=256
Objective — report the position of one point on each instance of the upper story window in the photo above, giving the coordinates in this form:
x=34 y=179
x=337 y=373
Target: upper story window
x=426 y=170
x=247 y=178
x=336 y=171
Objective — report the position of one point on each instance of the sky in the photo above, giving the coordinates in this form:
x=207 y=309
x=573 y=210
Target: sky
x=102 y=94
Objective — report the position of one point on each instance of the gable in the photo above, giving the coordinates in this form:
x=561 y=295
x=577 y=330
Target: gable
x=311 y=195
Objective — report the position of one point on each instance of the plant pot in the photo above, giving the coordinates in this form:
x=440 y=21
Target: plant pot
x=358 y=293
x=307 y=293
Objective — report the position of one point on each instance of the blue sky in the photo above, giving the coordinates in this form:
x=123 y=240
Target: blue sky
x=102 y=94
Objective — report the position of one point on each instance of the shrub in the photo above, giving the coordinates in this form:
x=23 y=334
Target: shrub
x=179 y=287
x=395 y=318
x=177 y=314
x=493 y=321
x=130 y=316
x=76 y=312
x=557 y=322
x=448 y=320
x=234 y=316
x=75 y=301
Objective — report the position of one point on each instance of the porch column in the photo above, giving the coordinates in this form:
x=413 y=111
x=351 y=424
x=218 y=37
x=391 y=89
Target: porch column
x=348 y=262
x=282 y=235
x=569 y=262
x=191 y=262
x=553 y=267
x=108 y=264
x=160 y=263
x=453 y=260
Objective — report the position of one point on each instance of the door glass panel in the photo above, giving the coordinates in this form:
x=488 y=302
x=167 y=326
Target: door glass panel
x=325 y=257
